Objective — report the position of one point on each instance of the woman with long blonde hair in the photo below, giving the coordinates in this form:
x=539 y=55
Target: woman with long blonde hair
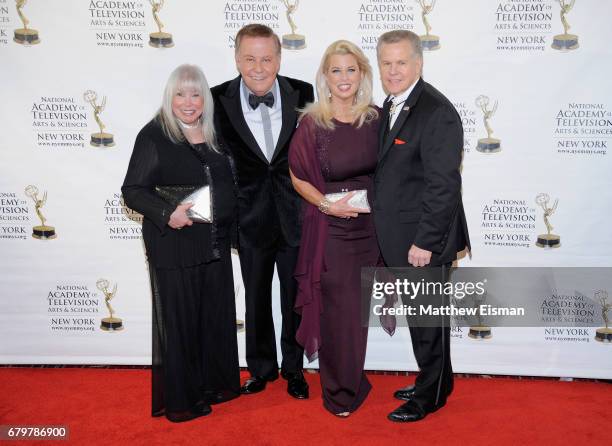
x=334 y=151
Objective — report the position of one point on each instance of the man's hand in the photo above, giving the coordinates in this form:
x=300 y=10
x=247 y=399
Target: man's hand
x=418 y=256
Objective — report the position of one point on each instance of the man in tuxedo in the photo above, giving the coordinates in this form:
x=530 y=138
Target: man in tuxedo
x=418 y=211
x=255 y=116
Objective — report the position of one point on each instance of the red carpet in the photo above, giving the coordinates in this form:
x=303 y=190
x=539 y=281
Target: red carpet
x=111 y=406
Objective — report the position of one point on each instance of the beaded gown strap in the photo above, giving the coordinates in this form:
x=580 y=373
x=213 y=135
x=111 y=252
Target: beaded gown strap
x=199 y=152
x=232 y=164
x=323 y=140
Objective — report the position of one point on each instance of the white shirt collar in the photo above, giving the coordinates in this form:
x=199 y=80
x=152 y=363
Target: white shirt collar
x=404 y=96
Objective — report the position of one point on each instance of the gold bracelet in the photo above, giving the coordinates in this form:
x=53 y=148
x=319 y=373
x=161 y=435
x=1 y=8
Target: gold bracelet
x=324 y=205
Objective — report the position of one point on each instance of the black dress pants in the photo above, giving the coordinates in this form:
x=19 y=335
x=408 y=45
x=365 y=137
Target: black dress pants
x=257 y=266
x=430 y=336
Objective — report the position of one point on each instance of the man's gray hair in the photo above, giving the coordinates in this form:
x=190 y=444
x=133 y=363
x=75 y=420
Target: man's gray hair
x=399 y=35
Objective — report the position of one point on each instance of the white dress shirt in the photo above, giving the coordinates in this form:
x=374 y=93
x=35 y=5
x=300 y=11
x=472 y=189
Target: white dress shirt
x=253 y=117
x=399 y=103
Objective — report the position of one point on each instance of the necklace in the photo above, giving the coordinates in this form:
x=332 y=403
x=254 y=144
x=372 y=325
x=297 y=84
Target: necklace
x=189 y=126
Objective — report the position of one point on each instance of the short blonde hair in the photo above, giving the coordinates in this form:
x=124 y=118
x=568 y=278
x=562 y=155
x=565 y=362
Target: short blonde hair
x=363 y=109
x=187 y=76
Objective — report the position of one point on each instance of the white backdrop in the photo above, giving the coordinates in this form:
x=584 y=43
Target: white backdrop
x=553 y=118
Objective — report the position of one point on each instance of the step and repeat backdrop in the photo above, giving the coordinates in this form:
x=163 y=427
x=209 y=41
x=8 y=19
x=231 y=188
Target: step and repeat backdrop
x=79 y=78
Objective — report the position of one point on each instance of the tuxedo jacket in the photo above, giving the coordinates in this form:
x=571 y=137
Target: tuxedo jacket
x=417 y=184
x=268 y=206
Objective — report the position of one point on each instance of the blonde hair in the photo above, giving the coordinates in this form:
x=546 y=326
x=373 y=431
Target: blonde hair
x=363 y=108
x=187 y=76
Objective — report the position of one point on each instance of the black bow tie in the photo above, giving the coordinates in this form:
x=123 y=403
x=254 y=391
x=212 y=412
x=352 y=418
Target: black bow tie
x=267 y=99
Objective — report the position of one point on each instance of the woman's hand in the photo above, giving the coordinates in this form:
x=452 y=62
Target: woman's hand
x=179 y=218
x=342 y=209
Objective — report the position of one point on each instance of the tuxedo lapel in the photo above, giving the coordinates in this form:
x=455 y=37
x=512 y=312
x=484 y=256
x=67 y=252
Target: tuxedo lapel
x=289 y=102
x=231 y=103
x=399 y=123
x=397 y=126
x=384 y=124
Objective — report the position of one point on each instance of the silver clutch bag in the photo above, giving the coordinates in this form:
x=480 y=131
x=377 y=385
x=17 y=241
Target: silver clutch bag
x=359 y=200
x=201 y=211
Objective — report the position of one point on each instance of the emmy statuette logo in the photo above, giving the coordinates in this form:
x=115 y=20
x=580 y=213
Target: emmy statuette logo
x=480 y=331
x=110 y=323
x=25 y=36
x=429 y=41
x=159 y=39
x=292 y=41
x=100 y=139
x=604 y=334
x=44 y=231
x=548 y=240
x=488 y=144
x=565 y=41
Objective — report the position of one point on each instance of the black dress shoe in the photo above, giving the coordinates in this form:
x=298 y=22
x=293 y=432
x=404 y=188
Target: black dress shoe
x=254 y=384
x=200 y=410
x=407 y=412
x=297 y=386
x=405 y=393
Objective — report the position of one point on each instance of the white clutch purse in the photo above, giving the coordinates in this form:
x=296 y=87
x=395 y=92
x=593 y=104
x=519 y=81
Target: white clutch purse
x=201 y=211
x=359 y=200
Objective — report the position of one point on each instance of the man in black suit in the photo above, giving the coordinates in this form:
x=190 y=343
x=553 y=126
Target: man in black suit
x=255 y=116
x=418 y=209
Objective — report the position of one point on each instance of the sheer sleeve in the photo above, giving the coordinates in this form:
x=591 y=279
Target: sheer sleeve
x=302 y=153
x=140 y=180
x=304 y=164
